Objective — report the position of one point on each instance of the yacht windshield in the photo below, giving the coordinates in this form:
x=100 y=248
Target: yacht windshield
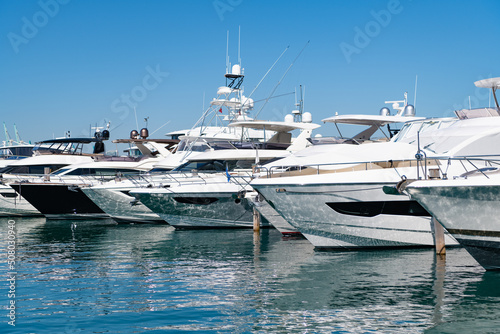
x=16 y=151
x=409 y=131
x=215 y=165
x=34 y=169
x=96 y=171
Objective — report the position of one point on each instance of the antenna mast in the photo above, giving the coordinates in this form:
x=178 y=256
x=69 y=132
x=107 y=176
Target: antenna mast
x=415 y=96
x=265 y=75
x=297 y=114
x=239 y=42
x=279 y=82
x=227 y=52
x=136 y=123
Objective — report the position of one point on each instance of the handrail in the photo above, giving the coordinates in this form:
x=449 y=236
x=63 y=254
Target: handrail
x=270 y=170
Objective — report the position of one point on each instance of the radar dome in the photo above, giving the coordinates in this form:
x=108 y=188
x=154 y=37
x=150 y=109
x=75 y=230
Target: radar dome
x=134 y=134
x=385 y=112
x=409 y=111
x=288 y=118
x=247 y=102
x=307 y=117
x=144 y=133
x=236 y=70
x=223 y=90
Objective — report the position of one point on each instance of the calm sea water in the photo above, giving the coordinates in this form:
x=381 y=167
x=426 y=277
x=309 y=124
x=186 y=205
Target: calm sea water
x=99 y=277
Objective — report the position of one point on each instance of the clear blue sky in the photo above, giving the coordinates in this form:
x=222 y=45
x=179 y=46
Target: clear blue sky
x=67 y=63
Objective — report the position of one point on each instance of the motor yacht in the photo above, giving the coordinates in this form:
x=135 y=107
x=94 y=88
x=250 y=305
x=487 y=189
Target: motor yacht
x=58 y=195
x=211 y=190
x=466 y=203
x=48 y=156
x=374 y=125
x=342 y=196
x=212 y=132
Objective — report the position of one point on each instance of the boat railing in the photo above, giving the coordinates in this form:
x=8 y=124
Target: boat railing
x=160 y=180
x=84 y=180
x=193 y=177
x=470 y=165
x=20 y=178
x=428 y=167
x=243 y=181
x=338 y=167
x=148 y=180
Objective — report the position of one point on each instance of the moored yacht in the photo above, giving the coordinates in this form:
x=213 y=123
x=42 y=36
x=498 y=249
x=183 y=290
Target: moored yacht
x=374 y=125
x=59 y=196
x=341 y=196
x=212 y=132
x=467 y=204
x=48 y=155
x=211 y=190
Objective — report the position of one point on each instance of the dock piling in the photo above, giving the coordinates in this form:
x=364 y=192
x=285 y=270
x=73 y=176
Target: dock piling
x=438 y=233
x=256 y=220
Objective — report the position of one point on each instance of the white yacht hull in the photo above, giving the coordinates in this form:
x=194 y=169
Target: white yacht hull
x=470 y=211
x=274 y=218
x=346 y=216
x=121 y=207
x=12 y=204
x=199 y=210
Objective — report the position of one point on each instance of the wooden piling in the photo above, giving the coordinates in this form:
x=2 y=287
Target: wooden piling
x=256 y=220
x=438 y=233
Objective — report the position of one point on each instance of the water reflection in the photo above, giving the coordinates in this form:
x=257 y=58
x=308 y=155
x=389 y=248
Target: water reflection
x=99 y=276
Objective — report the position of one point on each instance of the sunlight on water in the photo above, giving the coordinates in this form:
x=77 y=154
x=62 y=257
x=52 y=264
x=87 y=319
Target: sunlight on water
x=99 y=277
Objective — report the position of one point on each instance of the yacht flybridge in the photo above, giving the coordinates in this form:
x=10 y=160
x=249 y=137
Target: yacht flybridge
x=212 y=130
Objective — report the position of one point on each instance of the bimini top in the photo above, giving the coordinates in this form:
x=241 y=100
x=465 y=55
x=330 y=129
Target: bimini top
x=488 y=83
x=275 y=126
x=70 y=140
x=369 y=120
x=147 y=140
